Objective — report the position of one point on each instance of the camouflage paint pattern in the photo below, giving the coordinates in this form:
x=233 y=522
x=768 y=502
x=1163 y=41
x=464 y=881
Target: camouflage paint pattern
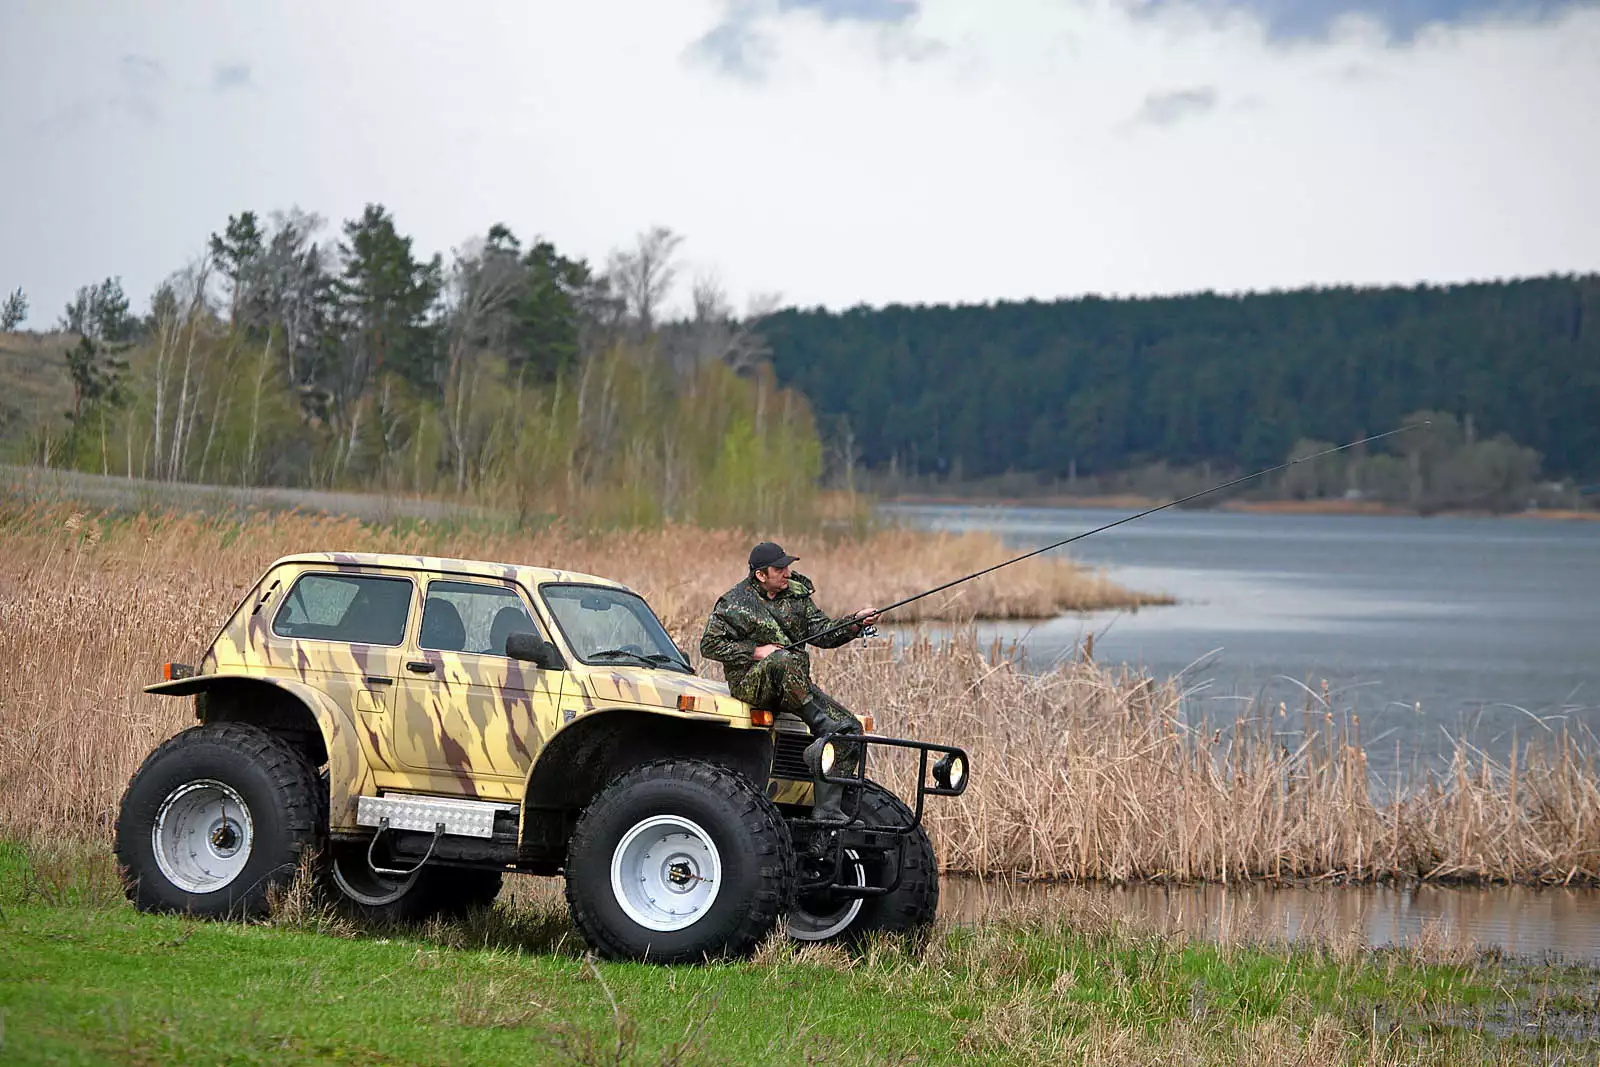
x=475 y=724
x=745 y=617
x=791 y=791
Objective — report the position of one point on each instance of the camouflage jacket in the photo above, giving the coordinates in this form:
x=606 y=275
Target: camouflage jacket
x=745 y=617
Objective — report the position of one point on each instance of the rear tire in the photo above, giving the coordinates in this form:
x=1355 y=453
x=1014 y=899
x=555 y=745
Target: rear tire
x=214 y=820
x=909 y=909
x=678 y=861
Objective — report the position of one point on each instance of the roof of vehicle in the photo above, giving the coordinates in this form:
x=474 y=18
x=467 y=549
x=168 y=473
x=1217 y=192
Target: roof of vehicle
x=530 y=577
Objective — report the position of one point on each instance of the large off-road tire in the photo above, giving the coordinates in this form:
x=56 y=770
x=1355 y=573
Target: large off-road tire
x=362 y=893
x=678 y=861
x=214 y=820
x=909 y=909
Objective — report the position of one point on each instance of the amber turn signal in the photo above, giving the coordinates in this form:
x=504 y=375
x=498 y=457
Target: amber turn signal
x=867 y=724
x=760 y=717
x=173 y=672
x=687 y=702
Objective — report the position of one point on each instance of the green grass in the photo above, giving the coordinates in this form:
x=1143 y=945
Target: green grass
x=85 y=979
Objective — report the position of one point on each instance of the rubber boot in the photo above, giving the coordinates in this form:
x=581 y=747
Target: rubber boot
x=827 y=806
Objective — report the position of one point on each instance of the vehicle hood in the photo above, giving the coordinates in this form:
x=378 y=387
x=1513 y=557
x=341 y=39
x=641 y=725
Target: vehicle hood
x=640 y=687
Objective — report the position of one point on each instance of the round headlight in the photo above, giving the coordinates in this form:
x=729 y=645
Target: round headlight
x=820 y=755
x=950 y=770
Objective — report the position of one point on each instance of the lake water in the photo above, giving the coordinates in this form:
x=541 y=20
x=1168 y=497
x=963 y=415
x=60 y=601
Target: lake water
x=1427 y=628
x=1521 y=922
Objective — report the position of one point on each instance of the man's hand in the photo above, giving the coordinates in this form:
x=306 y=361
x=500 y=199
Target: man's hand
x=866 y=616
x=763 y=651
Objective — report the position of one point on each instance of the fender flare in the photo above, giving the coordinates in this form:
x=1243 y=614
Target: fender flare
x=580 y=757
x=348 y=773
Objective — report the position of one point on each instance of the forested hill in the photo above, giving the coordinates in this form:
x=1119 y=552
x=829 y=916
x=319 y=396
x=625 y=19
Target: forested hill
x=979 y=390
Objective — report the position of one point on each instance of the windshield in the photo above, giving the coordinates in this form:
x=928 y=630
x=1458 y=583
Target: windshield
x=615 y=626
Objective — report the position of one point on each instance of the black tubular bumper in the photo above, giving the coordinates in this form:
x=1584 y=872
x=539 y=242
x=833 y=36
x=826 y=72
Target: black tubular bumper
x=860 y=836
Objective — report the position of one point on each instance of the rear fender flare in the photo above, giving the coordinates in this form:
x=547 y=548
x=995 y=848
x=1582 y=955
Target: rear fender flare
x=348 y=773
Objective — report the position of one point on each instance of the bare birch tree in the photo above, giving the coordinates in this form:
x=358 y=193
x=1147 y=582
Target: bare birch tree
x=714 y=334
x=481 y=289
x=643 y=276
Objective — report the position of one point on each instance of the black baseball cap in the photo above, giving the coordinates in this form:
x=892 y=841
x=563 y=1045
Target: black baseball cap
x=768 y=554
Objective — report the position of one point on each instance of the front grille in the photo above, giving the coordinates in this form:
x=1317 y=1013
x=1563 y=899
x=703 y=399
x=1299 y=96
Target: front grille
x=789 y=755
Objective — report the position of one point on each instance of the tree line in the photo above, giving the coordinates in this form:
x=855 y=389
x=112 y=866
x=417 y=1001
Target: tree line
x=1090 y=386
x=513 y=374
x=1443 y=463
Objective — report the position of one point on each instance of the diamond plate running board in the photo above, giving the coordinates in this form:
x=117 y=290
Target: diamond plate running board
x=404 y=811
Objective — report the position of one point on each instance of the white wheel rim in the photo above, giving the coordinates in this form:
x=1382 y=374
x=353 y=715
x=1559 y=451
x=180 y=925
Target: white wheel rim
x=203 y=835
x=807 y=926
x=666 y=872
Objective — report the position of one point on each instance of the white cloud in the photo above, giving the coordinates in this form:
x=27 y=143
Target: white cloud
x=967 y=152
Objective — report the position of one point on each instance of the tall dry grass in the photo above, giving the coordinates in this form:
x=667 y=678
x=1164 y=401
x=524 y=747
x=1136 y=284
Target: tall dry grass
x=91 y=605
x=1086 y=773
x=1080 y=772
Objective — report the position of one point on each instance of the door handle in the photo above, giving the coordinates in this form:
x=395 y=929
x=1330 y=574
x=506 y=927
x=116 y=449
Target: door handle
x=418 y=666
x=378 y=681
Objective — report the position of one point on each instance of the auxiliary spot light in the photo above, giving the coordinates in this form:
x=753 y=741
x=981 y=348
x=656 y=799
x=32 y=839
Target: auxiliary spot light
x=950 y=770
x=820 y=755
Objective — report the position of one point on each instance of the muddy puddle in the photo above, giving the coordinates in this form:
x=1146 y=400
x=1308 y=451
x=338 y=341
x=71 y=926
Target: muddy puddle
x=1521 y=922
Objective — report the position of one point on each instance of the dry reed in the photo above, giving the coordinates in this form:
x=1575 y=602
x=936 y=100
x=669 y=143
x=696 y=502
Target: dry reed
x=1083 y=773
x=1080 y=772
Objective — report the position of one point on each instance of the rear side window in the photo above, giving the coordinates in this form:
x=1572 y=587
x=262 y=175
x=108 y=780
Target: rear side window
x=464 y=617
x=362 y=609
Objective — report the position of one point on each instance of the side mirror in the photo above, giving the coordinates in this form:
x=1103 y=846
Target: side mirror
x=535 y=650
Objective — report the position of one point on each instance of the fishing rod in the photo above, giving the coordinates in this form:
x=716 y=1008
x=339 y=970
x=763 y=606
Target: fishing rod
x=858 y=616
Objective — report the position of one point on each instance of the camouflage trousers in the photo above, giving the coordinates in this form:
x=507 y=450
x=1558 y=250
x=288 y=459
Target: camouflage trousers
x=782 y=682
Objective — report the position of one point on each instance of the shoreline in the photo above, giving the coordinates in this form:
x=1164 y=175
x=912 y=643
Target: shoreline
x=1134 y=502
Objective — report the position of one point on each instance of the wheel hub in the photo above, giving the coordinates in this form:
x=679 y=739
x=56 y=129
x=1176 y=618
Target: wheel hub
x=225 y=838
x=682 y=875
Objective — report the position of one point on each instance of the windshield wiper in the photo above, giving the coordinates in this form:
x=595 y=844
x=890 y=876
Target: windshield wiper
x=649 y=659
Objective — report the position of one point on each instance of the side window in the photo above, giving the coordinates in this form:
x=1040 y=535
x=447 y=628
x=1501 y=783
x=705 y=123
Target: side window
x=464 y=617
x=362 y=609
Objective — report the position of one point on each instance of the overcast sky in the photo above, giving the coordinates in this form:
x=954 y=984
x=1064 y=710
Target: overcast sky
x=832 y=151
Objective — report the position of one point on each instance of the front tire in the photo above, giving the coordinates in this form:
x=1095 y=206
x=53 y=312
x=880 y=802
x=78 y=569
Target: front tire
x=909 y=909
x=214 y=820
x=678 y=861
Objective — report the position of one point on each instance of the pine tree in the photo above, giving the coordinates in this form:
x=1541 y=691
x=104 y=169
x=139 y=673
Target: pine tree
x=96 y=376
x=100 y=312
x=238 y=253
x=549 y=313
x=14 y=311
x=386 y=299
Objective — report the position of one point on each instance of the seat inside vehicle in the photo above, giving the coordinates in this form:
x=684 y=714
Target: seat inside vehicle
x=442 y=628
x=507 y=621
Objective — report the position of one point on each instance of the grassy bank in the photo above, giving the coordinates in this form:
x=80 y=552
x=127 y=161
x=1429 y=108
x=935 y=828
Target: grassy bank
x=85 y=979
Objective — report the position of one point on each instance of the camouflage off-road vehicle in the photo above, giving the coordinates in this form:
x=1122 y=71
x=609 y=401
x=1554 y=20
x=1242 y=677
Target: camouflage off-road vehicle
x=424 y=726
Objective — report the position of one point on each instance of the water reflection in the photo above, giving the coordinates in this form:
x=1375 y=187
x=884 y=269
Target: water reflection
x=1518 y=920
